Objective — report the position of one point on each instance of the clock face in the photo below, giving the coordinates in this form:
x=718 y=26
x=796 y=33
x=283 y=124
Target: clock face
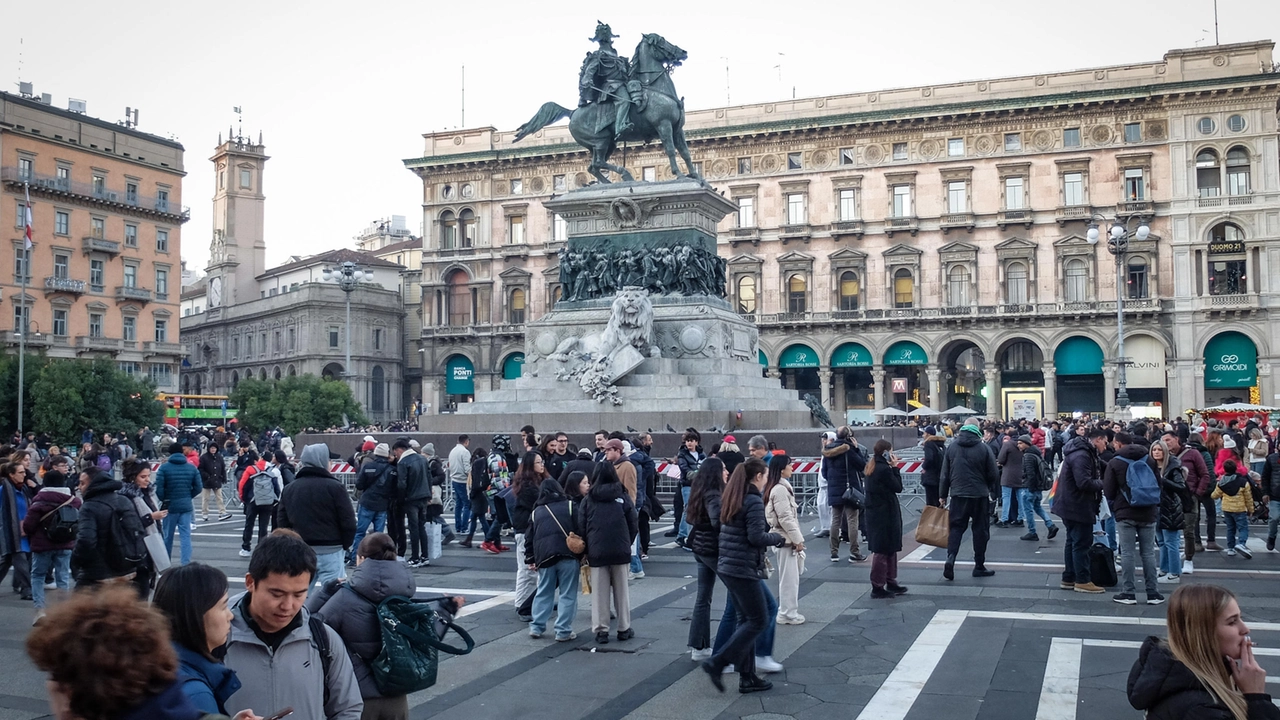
x=215 y=292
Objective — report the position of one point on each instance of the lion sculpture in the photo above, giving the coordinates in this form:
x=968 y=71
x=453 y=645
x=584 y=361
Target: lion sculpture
x=597 y=360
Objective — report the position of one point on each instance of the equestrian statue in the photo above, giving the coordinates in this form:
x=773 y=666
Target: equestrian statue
x=623 y=101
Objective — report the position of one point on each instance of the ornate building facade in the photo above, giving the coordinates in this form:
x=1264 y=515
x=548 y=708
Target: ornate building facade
x=927 y=245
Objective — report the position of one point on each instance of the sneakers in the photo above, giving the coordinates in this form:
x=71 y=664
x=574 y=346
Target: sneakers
x=982 y=571
x=51 y=586
x=1089 y=588
x=1016 y=523
x=489 y=548
x=503 y=548
x=1154 y=599
x=418 y=562
x=1125 y=599
x=1169 y=579
x=1030 y=536
x=728 y=670
x=627 y=634
x=204 y=518
x=752 y=684
x=1271 y=544
x=535 y=634
x=835 y=557
x=880 y=593
x=1211 y=545
x=602 y=637
x=224 y=517
x=1053 y=531
x=680 y=542
x=635 y=576
x=767 y=664
x=567 y=638
x=796 y=619
x=1067 y=585
x=1002 y=524
x=671 y=533
x=1188 y=567
x=1244 y=551
x=698 y=656
x=895 y=588
x=523 y=617
x=857 y=558
x=1230 y=552
x=39 y=618
x=245 y=553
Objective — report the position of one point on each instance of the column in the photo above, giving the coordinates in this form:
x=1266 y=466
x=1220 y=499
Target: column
x=1109 y=391
x=877 y=379
x=995 y=404
x=1050 y=391
x=824 y=378
x=838 y=399
x=775 y=373
x=933 y=374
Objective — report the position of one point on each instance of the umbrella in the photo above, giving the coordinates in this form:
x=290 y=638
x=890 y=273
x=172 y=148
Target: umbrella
x=959 y=410
x=1240 y=407
x=890 y=411
x=923 y=411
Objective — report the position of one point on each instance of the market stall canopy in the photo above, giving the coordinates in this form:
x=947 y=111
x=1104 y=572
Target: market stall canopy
x=924 y=411
x=1242 y=408
x=959 y=410
x=890 y=411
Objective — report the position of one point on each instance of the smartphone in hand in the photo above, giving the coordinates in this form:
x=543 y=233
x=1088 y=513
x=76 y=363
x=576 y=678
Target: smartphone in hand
x=282 y=714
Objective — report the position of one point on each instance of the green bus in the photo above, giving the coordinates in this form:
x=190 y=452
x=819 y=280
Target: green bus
x=196 y=409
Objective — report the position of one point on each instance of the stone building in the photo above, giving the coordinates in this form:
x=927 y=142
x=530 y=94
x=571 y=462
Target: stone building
x=244 y=319
x=390 y=240
x=103 y=275
x=928 y=245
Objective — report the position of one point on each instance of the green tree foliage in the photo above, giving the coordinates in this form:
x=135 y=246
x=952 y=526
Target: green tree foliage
x=294 y=403
x=71 y=395
x=9 y=391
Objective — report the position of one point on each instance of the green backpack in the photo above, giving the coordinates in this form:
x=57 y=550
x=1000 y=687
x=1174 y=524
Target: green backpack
x=411 y=644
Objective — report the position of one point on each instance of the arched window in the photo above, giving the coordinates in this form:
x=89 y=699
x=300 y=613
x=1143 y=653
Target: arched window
x=467 y=221
x=1238 y=171
x=459 y=299
x=1137 y=283
x=796 y=287
x=516 y=310
x=262 y=374
x=275 y=373
x=448 y=230
x=849 y=289
x=235 y=379
x=292 y=371
x=958 y=286
x=557 y=292
x=1076 y=286
x=1015 y=283
x=1226 y=232
x=377 y=390
x=1022 y=356
x=747 y=295
x=1208 y=173
x=904 y=289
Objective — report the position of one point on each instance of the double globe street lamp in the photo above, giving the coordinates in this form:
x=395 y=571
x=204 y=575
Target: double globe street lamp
x=1118 y=236
x=348 y=276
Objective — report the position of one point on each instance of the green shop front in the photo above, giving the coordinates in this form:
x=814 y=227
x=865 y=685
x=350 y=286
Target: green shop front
x=905 y=381
x=1081 y=387
x=851 y=373
x=1230 y=369
x=459 y=381
x=799 y=366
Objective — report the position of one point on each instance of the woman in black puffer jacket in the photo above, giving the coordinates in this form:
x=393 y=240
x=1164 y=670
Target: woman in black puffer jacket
x=546 y=547
x=354 y=615
x=744 y=535
x=608 y=523
x=703 y=513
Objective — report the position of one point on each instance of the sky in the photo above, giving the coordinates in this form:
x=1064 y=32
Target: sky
x=342 y=92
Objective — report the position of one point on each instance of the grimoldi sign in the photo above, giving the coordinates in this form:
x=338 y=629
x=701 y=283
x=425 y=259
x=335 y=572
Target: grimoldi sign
x=1226 y=247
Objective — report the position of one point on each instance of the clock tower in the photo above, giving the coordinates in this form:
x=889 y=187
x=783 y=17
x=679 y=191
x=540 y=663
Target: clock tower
x=238 y=252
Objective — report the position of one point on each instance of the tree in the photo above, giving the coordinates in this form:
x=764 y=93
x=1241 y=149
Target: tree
x=71 y=395
x=294 y=403
x=9 y=391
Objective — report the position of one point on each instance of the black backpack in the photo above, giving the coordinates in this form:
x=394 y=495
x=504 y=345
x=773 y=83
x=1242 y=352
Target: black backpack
x=126 y=548
x=61 y=523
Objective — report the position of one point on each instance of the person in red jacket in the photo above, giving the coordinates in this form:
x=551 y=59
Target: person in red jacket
x=1037 y=435
x=263 y=513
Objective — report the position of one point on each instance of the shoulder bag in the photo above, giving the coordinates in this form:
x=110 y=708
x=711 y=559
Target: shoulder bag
x=576 y=544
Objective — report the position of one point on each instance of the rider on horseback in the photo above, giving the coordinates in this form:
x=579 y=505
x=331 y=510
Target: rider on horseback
x=604 y=76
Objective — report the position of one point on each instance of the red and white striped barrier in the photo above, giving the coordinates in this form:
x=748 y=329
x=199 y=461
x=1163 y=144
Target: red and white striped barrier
x=910 y=466
x=341 y=467
x=797 y=466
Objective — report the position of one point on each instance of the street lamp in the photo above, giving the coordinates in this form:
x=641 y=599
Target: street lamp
x=347 y=275
x=21 y=333
x=1118 y=236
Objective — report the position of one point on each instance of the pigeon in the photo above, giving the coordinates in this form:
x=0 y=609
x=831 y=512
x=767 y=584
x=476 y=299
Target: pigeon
x=715 y=429
x=670 y=429
x=649 y=430
x=630 y=429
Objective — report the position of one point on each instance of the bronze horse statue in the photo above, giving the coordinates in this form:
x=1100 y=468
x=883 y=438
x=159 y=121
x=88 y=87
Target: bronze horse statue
x=659 y=116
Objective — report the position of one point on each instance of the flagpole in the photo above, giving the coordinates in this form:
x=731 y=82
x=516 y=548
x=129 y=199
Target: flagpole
x=22 y=315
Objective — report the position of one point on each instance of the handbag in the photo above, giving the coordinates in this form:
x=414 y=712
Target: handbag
x=412 y=633
x=435 y=540
x=577 y=545
x=1102 y=566
x=934 y=527
x=853 y=496
x=156 y=549
x=584 y=577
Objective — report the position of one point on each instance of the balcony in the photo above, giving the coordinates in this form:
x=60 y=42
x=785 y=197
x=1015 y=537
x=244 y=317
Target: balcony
x=55 y=284
x=162 y=348
x=92 y=244
x=789 y=233
x=1211 y=201
x=1069 y=213
x=1240 y=200
x=50 y=186
x=1243 y=302
x=955 y=221
x=1136 y=207
x=847 y=227
x=909 y=224
x=1014 y=217
x=125 y=293
x=86 y=343
x=744 y=234
x=520 y=250
x=34 y=339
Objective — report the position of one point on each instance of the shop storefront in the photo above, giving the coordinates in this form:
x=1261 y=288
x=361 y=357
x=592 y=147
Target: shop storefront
x=512 y=366
x=1081 y=388
x=459 y=381
x=1230 y=369
x=799 y=366
x=1145 y=376
x=904 y=364
x=851 y=366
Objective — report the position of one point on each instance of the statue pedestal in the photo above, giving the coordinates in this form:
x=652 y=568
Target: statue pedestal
x=700 y=362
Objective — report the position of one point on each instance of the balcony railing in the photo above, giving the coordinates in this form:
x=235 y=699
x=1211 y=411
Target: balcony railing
x=1240 y=199
x=847 y=227
x=1013 y=217
x=1134 y=207
x=91 y=243
x=1068 y=213
x=1242 y=301
x=957 y=220
x=87 y=343
x=794 y=232
x=162 y=348
x=123 y=198
x=53 y=284
x=125 y=292
x=902 y=224
x=1210 y=201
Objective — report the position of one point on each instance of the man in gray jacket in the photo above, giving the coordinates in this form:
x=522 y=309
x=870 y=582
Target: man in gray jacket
x=283 y=656
x=969 y=479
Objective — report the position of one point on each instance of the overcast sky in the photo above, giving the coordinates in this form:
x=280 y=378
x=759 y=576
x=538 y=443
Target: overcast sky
x=342 y=91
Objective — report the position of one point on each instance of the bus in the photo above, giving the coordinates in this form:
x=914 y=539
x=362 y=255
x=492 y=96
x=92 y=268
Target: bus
x=196 y=409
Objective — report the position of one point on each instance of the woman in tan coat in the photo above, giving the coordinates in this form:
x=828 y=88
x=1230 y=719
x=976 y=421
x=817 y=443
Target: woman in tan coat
x=780 y=512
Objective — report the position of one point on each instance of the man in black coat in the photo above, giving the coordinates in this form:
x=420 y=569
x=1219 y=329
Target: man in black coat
x=931 y=469
x=582 y=463
x=971 y=480
x=415 y=491
x=317 y=507
x=97 y=556
x=1076 y=502
x=213 y=475
x=844 y=464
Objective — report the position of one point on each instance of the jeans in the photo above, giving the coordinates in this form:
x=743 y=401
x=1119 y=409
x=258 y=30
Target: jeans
x=1237 y=528
x=1075 y=553
x=461 y=506
x=1144 y=535
x=729 y=623
x=966 y=511
x=182 y=523
x=751 y=614
x=328 y=567
x=60 y=561
x=563 y=575
x=700 y=622
x=684 y=524
x=1030 y=504
x=1210 y=508
x=1274 y=523
x=1171 y=552
x=364 y=518
x=20 y=563
x=262 y=514
x=636 y=565
x=1006 y=502
x=1190 y=521
x=415 y=512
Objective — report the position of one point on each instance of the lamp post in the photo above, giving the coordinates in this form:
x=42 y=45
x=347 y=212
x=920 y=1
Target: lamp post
x=347 y=275
x=1118 y=236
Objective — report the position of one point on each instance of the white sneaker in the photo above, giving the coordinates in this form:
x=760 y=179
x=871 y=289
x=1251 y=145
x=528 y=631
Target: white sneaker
x=728 y=670
x=39 y=617
x=797 y=619
x=635 y=576
x=1188 y=567
x=51 y=586
x=767 y=664
x=245 y=553
x=1244 y=551
x=1167 y=579
x=699 y=655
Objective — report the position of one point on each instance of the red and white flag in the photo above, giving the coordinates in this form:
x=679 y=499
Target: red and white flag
x=27 y=219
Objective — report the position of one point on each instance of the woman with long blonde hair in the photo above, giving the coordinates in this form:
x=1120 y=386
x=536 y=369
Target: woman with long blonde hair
x=1206 y=670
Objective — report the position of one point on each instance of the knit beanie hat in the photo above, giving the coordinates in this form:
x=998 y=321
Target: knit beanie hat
x=381 y=450
x=970 y=427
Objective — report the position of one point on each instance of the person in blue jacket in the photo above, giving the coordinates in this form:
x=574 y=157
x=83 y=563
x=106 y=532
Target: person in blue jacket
x=177 y=483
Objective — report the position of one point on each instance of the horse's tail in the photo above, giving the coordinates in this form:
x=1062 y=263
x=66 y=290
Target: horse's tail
x=547 y=114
